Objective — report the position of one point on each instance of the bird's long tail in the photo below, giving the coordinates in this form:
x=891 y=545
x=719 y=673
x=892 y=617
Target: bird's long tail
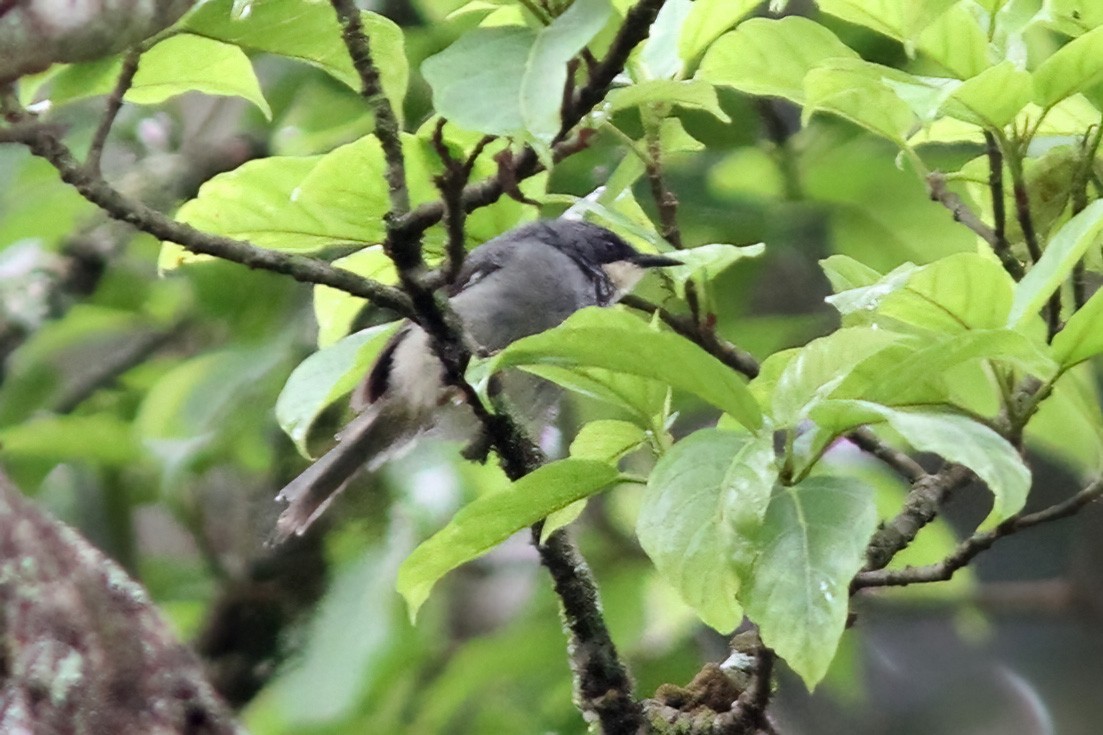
x=376 y=434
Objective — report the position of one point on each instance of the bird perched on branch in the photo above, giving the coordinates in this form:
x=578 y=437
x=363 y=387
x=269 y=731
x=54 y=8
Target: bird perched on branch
x=520 y=283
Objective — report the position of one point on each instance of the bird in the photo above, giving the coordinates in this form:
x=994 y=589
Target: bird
x=517 y=284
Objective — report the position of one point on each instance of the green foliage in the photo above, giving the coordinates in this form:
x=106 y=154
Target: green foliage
x=933 y=344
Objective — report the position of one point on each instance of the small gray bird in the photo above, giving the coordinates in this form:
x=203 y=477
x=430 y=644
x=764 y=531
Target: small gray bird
x=520 y=283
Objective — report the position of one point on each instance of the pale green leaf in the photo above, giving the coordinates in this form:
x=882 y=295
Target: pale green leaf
x=705 y=501
x=615 y=340
x=309 y=32
x=187 y=63
x=693 y=93
x=494 y=517
x=1062 y=252
x=1073 y=68
x=964 y=441
x=811 y=545
x=496 y=80
x=607 y=440
x=903 y=21
x=707 y=21
x=323 y=378
x=1082 y=336
x=771 y=57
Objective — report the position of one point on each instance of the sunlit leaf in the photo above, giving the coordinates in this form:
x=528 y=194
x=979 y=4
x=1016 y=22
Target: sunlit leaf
x=494 y=517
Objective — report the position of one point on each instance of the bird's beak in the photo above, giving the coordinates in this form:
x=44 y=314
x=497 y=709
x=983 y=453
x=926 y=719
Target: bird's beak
x=653 y=260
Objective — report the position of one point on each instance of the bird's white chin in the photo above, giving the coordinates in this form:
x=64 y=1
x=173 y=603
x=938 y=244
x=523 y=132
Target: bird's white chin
x=623 y=275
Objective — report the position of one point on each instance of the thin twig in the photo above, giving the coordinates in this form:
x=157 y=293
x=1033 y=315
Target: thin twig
x=920 y=508
x=111 y=110
x=968 y=549
x=450 y=184
x=939 y=192
x=999 y=212
x=387 y=128
x=727 y=353
x=904 y=465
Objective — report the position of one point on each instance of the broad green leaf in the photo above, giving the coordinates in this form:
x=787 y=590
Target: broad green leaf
x=954 y=294
x=964 y=441
x=641 y=397
x=614 y=340
x=496 y=80
x=309 y=32
x=694 y=93
x=1069 y=423
x=860 y=92
x=336 y=311
x=607 y=440
x=993 y=98
x=705 y=262
x=255 y=202
x=705 y=501
x=187 y=63
x=323 y=378
x=1072 y=68
x=771 y=57
x=907 y=381
x=707 y=21
x=102 y=439
x=819 y=367
x=811 y=545
x=903 y=21
x=1062 y=252
x=494 y=517
x=846 y=273
x=659 y=58
x=957 y=42
x=1082 y=336
x=1073 y=17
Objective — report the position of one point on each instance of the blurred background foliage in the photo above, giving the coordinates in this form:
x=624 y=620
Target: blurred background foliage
x=140 y=409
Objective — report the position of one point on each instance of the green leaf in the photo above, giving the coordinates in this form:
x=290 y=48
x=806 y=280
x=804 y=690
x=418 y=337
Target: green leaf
x=1069 y=423
x=957 y=42
x=903 y=21
x=495 y=517
x=607 y=440
x=811 y=544
x=1072 y=17
x=963 y=441
x=336 y=311
x=659 y=58
x=705 y=501
x=993 y=98
x=694 y=93
x=641 y=397
x=771 y=57
x=707 y=20
x=1082 y=336
x=254 y=202
x=496 y=80
x=614 y=340
x=859 y=91
x=323 y=378
x=954 y=294
x=818 y=368
x=308 y=32
x=1073 y=68
x=1062 y=252
x=846 y=273
x=706 y=262
x=904 y=381
x=186 y=63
